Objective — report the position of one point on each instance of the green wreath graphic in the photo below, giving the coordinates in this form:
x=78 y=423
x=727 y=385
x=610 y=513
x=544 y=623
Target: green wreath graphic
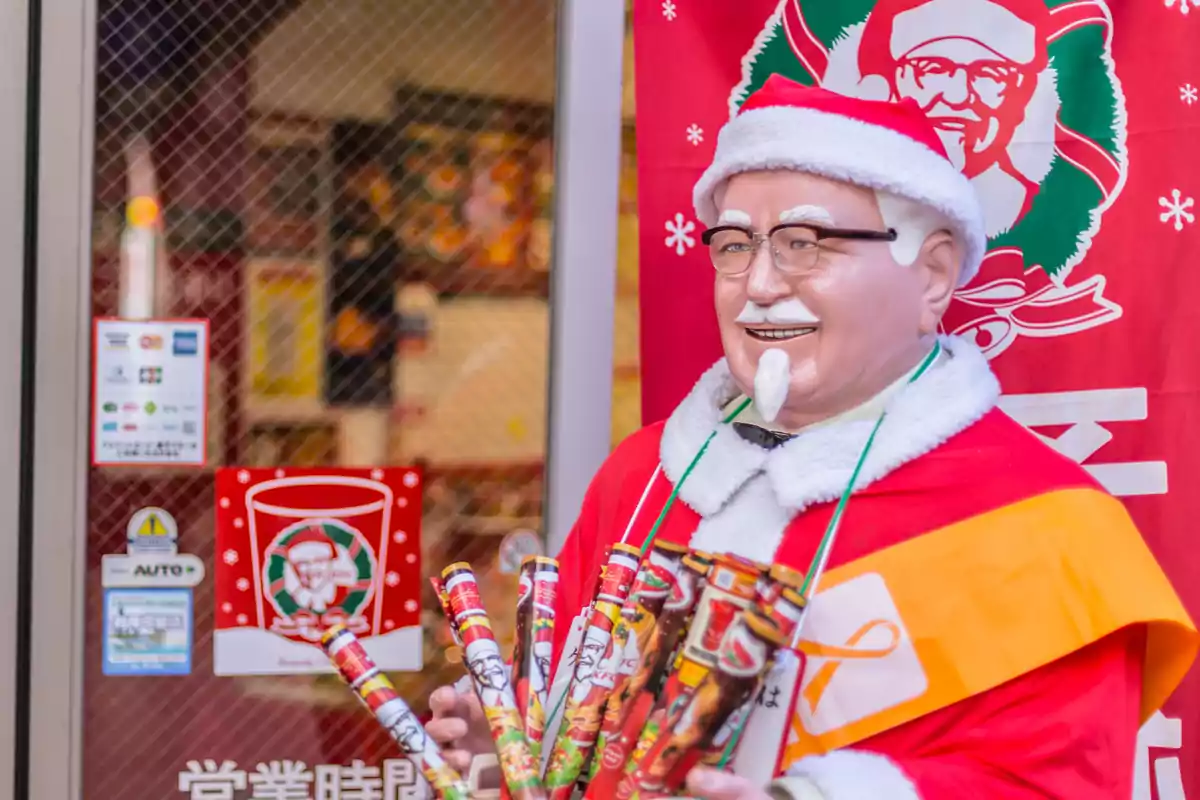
x=342 y=535
x=1057 y=230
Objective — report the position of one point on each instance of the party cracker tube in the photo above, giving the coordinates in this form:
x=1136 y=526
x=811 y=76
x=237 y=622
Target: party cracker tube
x=439 y=589
x=490 y=678
x=654 y=586
x=639 y=692
x=376 y=692
x=563 y=671
x=745 y=655
x=785 y=612
x=533 y=645
x=639 y=619
x=779 y=577
x=729 y=589
x=592 y=681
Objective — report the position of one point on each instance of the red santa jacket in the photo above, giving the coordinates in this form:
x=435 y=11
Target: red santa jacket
x=1038 y=630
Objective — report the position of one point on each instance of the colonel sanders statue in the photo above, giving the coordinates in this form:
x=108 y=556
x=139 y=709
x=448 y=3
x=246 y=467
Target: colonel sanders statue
x=991 y=624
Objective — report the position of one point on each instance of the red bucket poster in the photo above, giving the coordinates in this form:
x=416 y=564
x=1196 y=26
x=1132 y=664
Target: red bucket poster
x=300 y=550
x=1077 y=121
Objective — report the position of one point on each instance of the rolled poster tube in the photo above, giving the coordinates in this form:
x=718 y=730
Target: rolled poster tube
x=376 y=692
x=490 y=678
x=592 y=679
x=534 y=642
x=746 y=652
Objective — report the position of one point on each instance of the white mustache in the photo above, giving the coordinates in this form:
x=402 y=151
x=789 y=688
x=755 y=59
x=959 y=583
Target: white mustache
x=786 y=312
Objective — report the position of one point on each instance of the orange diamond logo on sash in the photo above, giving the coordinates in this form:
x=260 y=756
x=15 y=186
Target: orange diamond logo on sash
x=861 y=661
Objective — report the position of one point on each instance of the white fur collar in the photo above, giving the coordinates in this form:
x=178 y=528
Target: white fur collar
x=815 y=466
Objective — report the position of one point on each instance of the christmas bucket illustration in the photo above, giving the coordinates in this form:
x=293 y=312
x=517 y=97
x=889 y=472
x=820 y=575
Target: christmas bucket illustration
x=301 y=552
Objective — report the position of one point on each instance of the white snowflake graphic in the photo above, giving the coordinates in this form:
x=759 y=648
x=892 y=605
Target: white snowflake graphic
x=238 y=522
x=230 y=557
x=376 y=474
x=227 y=607
x=399 y=537
x=243 y=476
x=1184 y=5
x=242 y=619
x=243 y=584
x=279 y=473
x=401 y=502
x=411 y=479
x=388 y=624
x=1177 y=209
x=411 y=605
x=392 y=579
x=411 y=558
x=695 y=134
x=1188 y=94
x=670 y=11
x=224 y=501
x=679 y=228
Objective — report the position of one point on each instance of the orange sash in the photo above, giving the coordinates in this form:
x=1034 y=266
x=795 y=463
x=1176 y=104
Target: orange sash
x=922 y=625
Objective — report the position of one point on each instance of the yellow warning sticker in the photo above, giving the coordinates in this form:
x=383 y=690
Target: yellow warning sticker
x=151 y=530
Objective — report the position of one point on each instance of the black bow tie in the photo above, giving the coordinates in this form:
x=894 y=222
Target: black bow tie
x=760 y=436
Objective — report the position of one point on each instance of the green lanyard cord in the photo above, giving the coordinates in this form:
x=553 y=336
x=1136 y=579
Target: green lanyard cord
x=821 y=556
x=662 y=515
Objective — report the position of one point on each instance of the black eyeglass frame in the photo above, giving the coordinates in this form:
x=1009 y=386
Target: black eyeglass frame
x=820 y=232
x=890 y=235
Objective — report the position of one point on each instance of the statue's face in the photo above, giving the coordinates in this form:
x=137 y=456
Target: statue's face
x=845 y=324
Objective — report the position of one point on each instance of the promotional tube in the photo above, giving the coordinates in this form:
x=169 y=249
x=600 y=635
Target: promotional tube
x=638 y=623
x=564 y=669
x=591 y=681
x=731 y=588
x=779 y=577
x=534 y=640
x=490 y=677
x=709 y=715
x=636 y=699
x=785 y=613
x=444 y=601
x=376 y=692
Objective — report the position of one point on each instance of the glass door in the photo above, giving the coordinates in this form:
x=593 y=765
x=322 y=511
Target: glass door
x=298 y=260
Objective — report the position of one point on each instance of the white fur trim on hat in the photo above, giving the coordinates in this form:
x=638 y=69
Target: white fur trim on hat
x=848 y=150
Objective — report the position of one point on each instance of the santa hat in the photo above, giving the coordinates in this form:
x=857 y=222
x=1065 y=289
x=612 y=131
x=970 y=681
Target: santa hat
x=886 y=146
x=310 y=544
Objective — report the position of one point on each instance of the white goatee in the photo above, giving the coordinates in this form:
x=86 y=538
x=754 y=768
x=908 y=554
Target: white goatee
x=771 y=383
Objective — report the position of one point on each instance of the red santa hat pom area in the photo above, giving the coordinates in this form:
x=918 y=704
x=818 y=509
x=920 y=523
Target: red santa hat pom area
x=310 y=544
x=886 y=146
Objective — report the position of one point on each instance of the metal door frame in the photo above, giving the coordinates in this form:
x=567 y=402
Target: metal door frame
x=588 y=144
x=17 y=18
x=60 y=431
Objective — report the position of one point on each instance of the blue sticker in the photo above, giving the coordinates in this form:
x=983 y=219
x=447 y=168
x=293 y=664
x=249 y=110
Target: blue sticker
x=148 y=631
x=185 y=343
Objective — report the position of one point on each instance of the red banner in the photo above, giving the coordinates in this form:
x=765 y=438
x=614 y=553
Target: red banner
x=1079 y=131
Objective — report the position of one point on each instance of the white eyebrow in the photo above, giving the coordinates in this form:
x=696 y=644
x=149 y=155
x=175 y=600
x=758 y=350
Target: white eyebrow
x=732 y=216
x=807 y=214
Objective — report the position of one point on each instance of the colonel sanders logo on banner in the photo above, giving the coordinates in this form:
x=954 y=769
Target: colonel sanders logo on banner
x=1047 y=163
x=320 y=567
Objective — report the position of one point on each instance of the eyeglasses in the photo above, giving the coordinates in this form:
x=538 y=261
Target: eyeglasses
x=795 y=247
